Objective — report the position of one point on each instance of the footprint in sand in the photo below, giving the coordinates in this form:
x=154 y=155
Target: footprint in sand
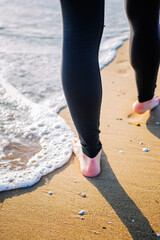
x=123 y=67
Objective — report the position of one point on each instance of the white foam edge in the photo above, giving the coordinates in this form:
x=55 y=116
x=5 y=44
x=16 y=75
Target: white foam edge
x=108 y=49
x=41 y=167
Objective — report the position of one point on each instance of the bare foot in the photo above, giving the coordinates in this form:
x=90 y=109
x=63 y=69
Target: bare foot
x=147 y=105
x=90 y=167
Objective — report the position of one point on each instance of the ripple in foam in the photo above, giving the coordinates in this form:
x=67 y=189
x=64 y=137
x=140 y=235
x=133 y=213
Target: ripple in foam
x=35 y=140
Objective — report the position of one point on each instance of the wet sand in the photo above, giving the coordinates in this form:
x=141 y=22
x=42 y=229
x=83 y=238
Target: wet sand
x=123 y=202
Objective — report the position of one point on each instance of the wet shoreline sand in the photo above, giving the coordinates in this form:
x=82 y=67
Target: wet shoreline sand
x=122 y=202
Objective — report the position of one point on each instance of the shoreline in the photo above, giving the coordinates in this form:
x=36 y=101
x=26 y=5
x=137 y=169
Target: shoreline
x=122 y=202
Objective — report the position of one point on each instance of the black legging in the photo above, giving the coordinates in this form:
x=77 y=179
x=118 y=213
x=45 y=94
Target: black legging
x=83 y=23
x=144 y=44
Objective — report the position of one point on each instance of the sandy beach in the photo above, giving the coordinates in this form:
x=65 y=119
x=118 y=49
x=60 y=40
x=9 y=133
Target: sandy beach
x=123 y=202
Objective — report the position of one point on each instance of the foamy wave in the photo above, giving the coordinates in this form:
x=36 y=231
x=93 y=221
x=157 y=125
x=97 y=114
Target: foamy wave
x=30 y=124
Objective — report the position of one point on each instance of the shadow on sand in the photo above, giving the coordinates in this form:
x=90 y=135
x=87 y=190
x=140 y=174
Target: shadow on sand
x=153 y=122
x=123 y=205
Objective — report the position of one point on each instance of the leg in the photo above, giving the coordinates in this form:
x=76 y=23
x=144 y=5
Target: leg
x=83 y=23
x=144 y=50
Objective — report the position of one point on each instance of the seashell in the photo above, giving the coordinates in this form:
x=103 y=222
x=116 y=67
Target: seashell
x=50 y=192
x=145 y=150
x=81 y=212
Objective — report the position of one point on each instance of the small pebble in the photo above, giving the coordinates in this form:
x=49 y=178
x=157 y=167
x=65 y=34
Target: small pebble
x=157 y=123
x=110 y=222
x=141 y=143
x=75 y=181
x=120 y=151
x=145 y=150
x=81 y=212
x=10 y=154
x=51 y=230
x=158 y=235
x=95 y=232
x=82 y=218
x=137 y=124
x=83 y=195
x=50 y=192
x=104 y=227
x=133 y=220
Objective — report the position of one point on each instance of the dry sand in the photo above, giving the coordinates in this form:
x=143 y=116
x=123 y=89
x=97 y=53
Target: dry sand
x=123 y=202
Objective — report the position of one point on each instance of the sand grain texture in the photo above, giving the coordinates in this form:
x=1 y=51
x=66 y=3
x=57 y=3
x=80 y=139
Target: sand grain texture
x=123 y=202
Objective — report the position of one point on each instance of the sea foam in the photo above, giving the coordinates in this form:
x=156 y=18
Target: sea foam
x=29 y=123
